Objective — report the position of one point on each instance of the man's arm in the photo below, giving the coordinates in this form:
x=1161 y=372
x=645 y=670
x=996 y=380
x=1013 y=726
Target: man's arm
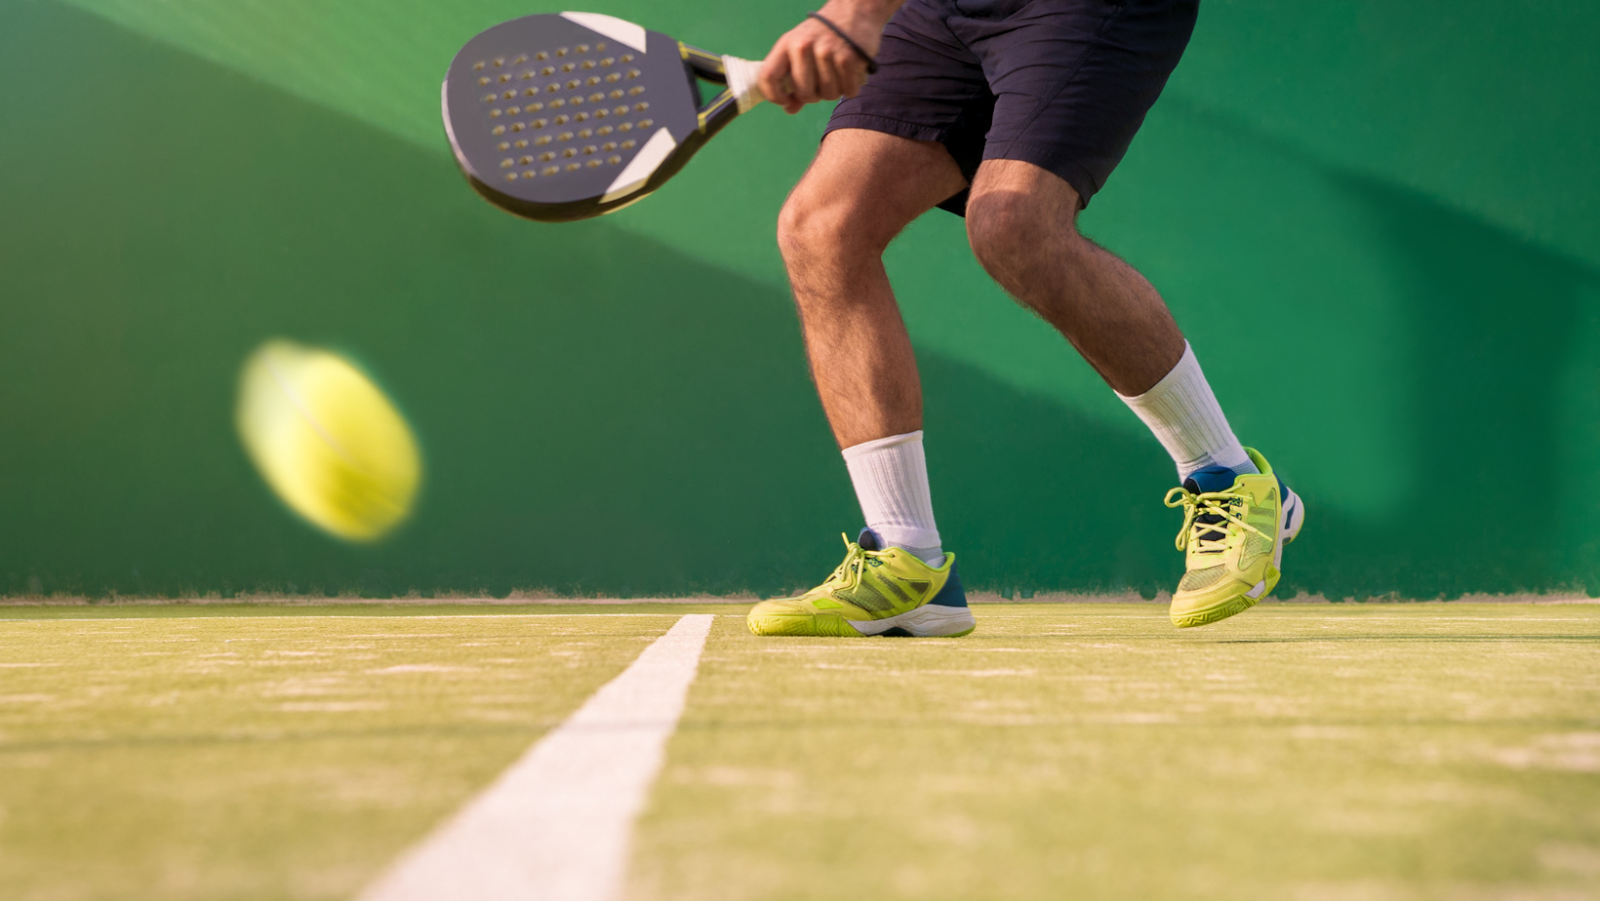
x=811 y=63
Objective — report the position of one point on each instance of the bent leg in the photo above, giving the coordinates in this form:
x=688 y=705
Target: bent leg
x=863 y=188
x=1022 y=222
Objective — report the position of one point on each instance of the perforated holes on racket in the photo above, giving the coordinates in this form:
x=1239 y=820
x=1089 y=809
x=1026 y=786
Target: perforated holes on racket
x=548 y=73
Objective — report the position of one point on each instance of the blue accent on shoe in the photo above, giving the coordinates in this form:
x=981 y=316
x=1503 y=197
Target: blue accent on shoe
x=896 y=632
x=1286 y=516
x=1212 y=478
x=870 y=540
x=952 y=594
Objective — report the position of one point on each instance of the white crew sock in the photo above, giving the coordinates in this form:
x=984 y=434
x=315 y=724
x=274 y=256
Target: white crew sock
x=1188 y=421
x=891 y=480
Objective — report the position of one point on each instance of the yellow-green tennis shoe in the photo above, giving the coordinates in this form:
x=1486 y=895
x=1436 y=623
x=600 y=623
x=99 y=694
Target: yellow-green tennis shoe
x=1234 y=530
x=875 y=591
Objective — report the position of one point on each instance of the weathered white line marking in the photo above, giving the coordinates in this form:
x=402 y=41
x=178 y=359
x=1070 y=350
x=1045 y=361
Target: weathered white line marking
x=558 y=825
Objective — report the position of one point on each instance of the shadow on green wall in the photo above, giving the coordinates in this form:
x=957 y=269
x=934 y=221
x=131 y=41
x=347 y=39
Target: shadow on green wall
x=599 y=415
x=1495 y=329
x=1495 y=326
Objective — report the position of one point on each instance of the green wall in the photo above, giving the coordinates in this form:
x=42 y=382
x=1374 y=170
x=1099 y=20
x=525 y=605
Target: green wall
x=1398 y=199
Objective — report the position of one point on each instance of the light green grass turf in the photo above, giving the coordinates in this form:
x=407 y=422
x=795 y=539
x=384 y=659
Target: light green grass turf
x=1430 y=751
x=153 y=610
x=1396 y=751
x=271 y=757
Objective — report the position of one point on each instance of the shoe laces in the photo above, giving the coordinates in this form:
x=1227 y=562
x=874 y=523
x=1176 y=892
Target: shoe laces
x=848 y=573
x=1206 y=518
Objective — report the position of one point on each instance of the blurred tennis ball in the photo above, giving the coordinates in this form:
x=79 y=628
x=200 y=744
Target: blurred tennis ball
x=327 y=440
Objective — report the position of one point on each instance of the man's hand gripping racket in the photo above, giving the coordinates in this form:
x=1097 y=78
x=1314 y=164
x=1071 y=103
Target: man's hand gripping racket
x=567 y=116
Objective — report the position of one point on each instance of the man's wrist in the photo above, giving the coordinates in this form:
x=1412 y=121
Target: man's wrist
x=861 y=18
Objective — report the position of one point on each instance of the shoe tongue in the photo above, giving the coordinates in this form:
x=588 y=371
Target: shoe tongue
x=870 y=540
x=1212 y=478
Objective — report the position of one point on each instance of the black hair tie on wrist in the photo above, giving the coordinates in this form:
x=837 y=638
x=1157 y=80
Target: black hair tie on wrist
x=872 y=64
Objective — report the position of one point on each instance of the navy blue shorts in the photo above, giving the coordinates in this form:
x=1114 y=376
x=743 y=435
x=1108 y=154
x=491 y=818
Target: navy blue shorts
x=1062 y=84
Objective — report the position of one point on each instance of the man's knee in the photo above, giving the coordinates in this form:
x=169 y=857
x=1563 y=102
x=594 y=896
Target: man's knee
x=819 y=226
x=802 y=226
x=812 y=228
x=1008 y=228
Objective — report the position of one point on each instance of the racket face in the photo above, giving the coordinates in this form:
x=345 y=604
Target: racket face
x=565 y=116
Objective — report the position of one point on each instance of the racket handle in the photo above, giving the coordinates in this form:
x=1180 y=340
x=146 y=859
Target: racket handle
x=742 y=75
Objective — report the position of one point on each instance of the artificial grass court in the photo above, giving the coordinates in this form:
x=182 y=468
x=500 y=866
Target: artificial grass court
x=1087 y=751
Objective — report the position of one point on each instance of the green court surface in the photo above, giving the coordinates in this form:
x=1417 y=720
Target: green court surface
x=1090 y=751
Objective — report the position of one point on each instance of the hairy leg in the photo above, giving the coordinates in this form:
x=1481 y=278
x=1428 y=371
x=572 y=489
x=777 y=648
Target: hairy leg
x=862 y=189
x=1022 y=222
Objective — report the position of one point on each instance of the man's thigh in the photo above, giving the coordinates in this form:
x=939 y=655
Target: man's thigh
x=1073 y=79
x=871 y=185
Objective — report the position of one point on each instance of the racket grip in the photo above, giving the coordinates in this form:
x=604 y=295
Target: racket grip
x=742 y=75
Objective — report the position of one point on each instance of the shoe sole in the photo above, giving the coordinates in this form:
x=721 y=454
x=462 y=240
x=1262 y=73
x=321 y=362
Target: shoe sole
x=1294 y=516
x=1219 y=612
x=927 y=621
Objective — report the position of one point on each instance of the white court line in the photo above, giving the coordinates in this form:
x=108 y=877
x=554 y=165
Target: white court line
x=558 y=825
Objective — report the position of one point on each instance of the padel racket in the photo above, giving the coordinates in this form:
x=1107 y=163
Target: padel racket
x=566 y=116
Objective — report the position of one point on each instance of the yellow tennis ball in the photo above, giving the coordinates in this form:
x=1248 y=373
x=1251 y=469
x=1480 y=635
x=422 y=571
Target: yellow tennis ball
x=327 y=440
